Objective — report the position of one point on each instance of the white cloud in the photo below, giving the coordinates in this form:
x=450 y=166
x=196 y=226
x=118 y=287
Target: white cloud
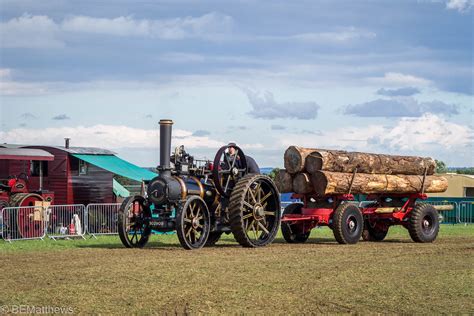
x=108 y=136
x=10 y=87
x=427 y=133
x=460 y=5
x=29 y=31
x=39 y=31
x=338 y=36
x=399 y=79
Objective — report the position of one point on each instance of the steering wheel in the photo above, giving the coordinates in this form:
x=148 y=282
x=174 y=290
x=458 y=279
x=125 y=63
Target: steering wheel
x=228 y=169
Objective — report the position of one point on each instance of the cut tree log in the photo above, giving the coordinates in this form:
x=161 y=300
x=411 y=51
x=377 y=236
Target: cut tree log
x=302 y=183
x=327 y=183
x=295 y=158
x=342 y=161
x=284 y=181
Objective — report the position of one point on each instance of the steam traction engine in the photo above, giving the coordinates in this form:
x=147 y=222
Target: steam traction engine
x=201 y=200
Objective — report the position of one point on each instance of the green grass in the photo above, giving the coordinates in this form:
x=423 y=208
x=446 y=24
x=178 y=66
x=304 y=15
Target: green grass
x=324 y=234
x=100 y=276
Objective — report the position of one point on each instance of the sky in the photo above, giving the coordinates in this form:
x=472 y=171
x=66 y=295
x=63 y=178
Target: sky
x=391 y=77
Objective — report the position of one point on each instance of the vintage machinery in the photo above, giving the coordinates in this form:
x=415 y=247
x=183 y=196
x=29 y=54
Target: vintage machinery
x=350 y=221
x=14 y=192
x=201 y=200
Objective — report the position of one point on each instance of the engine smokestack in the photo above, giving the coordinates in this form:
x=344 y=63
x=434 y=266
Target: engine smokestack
x=66 y=142
x=166 y=127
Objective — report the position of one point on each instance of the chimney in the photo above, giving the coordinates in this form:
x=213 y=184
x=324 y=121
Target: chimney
x=66 y=140
x=166 y=127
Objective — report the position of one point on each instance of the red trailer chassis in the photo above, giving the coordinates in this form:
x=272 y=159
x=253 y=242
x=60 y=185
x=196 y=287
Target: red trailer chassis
x=351 y=221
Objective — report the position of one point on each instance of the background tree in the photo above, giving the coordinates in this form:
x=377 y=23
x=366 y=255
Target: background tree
x=441 y=167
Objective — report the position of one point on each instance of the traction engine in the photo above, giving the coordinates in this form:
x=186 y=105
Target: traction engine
x=201 y=200
x=24 y=222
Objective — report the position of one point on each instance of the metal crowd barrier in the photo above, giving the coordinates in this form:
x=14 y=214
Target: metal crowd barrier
x=102 y=219
x=448 y=210
x=66 y=221
x=466 y=213
x=22 y=223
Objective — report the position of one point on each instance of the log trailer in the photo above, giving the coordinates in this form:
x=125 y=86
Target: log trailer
x=327 y=197
x=15 y=192
x=201 y=200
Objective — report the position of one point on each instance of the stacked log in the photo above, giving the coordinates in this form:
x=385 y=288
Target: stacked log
x=324 y=172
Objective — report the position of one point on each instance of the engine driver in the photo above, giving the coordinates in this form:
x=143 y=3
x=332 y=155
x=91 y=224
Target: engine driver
x=252 y=165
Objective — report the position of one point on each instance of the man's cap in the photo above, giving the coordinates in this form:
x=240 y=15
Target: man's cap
x=232 y=144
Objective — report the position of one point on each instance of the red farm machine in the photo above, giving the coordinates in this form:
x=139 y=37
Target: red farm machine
x=16 y=167
x=325 y=182
x=350 y=221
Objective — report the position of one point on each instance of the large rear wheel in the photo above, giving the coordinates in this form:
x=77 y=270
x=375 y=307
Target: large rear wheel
x=134 y=222
x=255 y=211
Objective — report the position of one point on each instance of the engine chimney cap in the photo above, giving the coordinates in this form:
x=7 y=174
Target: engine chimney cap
x=166 y=122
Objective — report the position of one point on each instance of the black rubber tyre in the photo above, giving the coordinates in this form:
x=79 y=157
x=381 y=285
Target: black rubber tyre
x=374 y=233
x=213 y=238
x=193 y=223
x=292 y=233
x=254 y=211
x=348 y=224
x=423 y=224
x=140 y=225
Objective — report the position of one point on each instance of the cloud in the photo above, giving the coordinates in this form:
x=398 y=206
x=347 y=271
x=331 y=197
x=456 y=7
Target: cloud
x=29 y=31
x=108 y=136
x=10 y=87
x=422 y=134
x=40 y=31
x=400 y=107
x=210 y=25
x=407 y=91
x=201 y=133
x=266 y=107
x=399 y=79
x=61 y=117
x=462 y=6
x=28 y=116
x=277 y=127
x=340 y=35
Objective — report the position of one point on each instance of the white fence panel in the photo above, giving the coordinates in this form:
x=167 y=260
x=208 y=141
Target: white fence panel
x=66 y=221
x=102 y=219
x=22 y=223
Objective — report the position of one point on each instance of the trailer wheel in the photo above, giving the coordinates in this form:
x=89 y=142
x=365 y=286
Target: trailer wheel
x=133 y=222
x=374 y=233
x=423 y=224
x=293 y=233
x=254 y=211
x=213 y=238
x=193 y=223
x=348 y=224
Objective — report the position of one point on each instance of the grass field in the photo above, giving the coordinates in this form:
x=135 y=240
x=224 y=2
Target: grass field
x=100 y=276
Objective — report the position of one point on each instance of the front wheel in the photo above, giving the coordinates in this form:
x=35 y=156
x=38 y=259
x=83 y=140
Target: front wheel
x=133 y=222
x=423 y=224
x=348 y=224
x=193 y=223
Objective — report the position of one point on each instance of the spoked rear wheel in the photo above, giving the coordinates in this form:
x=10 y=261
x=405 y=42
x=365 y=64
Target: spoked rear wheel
x=255 y=211
x=134 y=222
x=193 y=223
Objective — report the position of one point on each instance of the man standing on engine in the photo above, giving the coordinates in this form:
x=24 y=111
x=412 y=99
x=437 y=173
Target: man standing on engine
x=252 y=165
